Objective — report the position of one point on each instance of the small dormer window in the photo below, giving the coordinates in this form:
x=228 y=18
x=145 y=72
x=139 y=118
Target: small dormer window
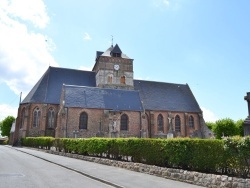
x=116 y=55
x=116 y=51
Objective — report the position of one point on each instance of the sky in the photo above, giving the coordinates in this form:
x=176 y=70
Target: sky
x=204 y=43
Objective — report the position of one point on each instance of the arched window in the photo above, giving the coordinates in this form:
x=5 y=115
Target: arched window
x=160 y=122
x=177 y=123
x=36 y=117
x=124 y=122
x=191 y=121
x=51 y=118
x=22 y=118
x=123 y=80
x=83 y=122
x=110 y=79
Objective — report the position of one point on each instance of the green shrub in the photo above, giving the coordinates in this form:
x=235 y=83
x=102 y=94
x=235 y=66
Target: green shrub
x=231 y=155
x=38 y=142
x=6 y=142
x=206 y=154
x=97 y=146
x=67 y=145
x=58 y=144
x=113 y=148
x=153 y=150
x=82 y=148
x=178 y=153
x=238 y=155
x=225 y=127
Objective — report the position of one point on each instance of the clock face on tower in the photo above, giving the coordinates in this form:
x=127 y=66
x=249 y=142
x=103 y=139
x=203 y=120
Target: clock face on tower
x=116 y=67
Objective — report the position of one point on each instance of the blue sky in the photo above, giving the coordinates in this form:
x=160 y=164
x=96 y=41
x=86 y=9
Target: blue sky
x=204 y=43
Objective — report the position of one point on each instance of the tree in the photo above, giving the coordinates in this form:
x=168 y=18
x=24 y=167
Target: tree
x=225 y=127
x=211 y=125
x=6 y=124
x=239 y=124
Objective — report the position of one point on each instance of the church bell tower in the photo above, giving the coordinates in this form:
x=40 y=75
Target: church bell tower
x=114 y=69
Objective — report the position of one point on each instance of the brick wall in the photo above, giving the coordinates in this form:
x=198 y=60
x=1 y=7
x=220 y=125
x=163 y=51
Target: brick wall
x=100 y=122
x=186 y=131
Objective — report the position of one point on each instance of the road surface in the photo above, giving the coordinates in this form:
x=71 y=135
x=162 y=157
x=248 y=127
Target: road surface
x=26 y=168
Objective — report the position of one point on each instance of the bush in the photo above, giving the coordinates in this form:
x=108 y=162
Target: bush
x=68 y=145
x=177 y=153
x=38 y=142
x=5 y=142
x=82 y=148
x=240 y=126
x=225 y=127
x=206 y=155
x=151 y=151
x=238 y=155
x=58 y=144
x=97 y=146
x=231 y=155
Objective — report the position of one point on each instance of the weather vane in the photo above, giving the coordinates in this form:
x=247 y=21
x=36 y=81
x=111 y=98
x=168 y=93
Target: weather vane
x=112 y=40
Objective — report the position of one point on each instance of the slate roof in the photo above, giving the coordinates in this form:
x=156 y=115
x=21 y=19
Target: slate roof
x=102 y=98
x=48 y=88
x=149 y=95
x=115 y=49
x=98 y=53
x=166 y=96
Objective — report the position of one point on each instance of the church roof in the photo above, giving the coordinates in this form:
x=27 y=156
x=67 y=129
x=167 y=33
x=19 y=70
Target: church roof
x=166 y=96
x=48 y=88
x=102 y=98
x=98 y=53
x=149 y=95
x=116 y=49
x=112 y=49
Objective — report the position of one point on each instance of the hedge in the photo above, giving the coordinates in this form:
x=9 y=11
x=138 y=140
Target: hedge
x=238 y=155
x=4 y=142
x=38 y=142
x=228 y=156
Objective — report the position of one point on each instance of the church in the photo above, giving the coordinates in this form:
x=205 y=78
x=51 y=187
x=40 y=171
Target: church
x=108 y=102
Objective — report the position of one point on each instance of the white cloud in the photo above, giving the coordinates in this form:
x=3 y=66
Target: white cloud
x=7 y=110
x=86 y=36
x=172 y=5
x=33 y=11
x=24 y=53
x=161 y=3
x=166 y=2
x=208 y=115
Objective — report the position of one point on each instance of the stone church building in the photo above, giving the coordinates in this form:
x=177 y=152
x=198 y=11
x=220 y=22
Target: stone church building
x=108 y=102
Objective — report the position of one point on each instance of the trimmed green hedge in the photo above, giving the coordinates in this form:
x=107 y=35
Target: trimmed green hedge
x=5 y=142
x=238 y=155
x=229 y=156
x=38 y=142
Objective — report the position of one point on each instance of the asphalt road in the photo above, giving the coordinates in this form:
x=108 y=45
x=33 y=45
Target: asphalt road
x=26 y=168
